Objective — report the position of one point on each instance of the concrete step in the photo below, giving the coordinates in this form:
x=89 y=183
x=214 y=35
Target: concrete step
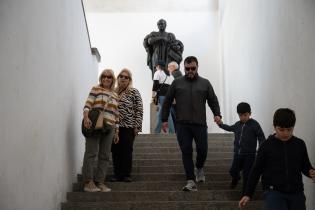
x=175 y=144
x=161 y=205
x=171 y=150
x=160 y=186
x=170 y=177
x=158 y=177
x=176 y=162
x=178 y=155
x=173 y=168
x=210 y=135
x=123 y=196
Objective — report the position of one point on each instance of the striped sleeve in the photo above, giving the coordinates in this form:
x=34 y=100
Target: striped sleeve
x=90 y=99
x=138 y=109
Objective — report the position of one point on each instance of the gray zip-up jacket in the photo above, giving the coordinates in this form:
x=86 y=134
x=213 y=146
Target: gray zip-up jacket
x=191 y=96
x=246 y=136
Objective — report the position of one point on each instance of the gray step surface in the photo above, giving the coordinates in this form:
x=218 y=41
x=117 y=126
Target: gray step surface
x=178 y=155
x=172 y=168
x=161 y=205
x=161 y=186
x=170 y=177
x=158 y=177
x=170 y=150
x=123 y=196
x=175 y=144
x=176 y=162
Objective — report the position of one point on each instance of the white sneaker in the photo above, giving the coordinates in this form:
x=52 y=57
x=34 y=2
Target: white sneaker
x=90 y=187
x=190 y=186
x=200 y=175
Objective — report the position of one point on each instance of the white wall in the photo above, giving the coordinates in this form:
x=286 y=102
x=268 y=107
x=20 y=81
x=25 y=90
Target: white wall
x=46 y=72
x=268 y=60
x=119 y=38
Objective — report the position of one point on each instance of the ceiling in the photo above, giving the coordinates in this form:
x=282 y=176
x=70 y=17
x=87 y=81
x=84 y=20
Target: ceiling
x=149 y=6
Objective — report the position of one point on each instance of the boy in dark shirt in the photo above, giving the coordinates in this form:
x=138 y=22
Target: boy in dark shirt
x=280 y=162
x=246 y=131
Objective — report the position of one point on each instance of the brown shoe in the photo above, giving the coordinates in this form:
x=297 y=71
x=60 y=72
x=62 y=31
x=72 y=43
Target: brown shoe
x=90 y=187
x=103 y=187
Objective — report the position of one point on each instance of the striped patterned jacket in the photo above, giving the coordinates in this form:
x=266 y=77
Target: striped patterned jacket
x=130 y=109
x=102 y=98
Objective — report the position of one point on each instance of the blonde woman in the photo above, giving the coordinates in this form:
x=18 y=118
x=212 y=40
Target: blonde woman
x=130 y=124
x=103 y=97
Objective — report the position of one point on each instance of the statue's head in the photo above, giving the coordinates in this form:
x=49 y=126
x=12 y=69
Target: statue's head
x=161 y=24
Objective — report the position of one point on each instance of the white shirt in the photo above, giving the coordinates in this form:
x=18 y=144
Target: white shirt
x=160 y=76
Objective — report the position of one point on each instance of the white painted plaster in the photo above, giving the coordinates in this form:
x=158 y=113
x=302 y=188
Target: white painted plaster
x=46 y=72
x=267 y=50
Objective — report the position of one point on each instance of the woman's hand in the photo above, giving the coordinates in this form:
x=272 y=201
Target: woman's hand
x=136 y=131
x=243 y=202
x=312 y=174
x=87 y=122
x=116 y=136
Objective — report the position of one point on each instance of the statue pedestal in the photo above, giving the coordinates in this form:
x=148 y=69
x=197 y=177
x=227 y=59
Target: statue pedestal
x=153 y=110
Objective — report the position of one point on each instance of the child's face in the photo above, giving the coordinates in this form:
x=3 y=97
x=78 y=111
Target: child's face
x=244 y=117
x=284 y=134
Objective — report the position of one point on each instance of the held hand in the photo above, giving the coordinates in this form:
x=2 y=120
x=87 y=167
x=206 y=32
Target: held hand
x=220 y=122
x=242 y=203
x=312 y=174
x=87 y=123
x=165 y=126
x=217 y=119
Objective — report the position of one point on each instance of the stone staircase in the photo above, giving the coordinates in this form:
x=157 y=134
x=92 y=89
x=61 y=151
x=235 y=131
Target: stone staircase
x=158 y=176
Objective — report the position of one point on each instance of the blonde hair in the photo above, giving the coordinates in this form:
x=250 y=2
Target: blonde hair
x=125 y=70
x=111 y=72
x=173 y=63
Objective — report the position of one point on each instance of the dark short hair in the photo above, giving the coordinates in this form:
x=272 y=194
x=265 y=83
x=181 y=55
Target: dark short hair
x=243 y=108
x=160 y=63
x=284 y=118
x=190 y=59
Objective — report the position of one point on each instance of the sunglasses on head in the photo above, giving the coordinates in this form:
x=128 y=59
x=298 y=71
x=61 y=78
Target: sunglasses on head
x=191 y=68
x=123 y=77
x=107 y=76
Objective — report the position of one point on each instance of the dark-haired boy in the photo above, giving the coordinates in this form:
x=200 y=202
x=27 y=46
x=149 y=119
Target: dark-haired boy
x=280 y=161
x=246 y=131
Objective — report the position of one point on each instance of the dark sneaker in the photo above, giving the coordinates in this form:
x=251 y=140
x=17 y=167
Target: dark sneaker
x=234 y=183
x=127 y=179
x=115 y=179
x=200 y=175
x=190 y=186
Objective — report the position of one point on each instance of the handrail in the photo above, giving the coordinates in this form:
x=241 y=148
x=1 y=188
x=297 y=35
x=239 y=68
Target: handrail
x=94 y=50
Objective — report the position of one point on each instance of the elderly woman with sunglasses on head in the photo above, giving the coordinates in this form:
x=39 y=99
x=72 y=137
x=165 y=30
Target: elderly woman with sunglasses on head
x=130 y=124
x=98 y=147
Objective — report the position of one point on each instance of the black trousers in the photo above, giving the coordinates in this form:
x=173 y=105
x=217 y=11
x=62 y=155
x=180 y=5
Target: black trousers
x=242 y=163
x=186 y=133
x=122 y=153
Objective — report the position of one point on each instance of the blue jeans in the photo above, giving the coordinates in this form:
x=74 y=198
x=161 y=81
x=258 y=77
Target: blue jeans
x=158 y=126
x=284 y=201
x=186 y=133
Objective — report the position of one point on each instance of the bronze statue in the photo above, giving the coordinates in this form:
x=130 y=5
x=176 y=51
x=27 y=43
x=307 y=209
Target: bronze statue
x=161 y=45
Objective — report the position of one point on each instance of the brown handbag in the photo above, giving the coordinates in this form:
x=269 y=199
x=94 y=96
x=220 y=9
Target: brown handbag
x=100 y=120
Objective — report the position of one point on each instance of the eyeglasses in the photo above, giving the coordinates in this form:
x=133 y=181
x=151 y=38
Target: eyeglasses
x=193 y=68
x=123 y=77
x=107 y=76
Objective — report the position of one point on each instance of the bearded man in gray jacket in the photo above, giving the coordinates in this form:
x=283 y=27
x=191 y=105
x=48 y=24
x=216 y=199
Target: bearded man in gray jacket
x=191 y=93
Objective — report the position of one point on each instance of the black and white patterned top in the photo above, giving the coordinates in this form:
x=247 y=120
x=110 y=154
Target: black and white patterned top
x=130 y=109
